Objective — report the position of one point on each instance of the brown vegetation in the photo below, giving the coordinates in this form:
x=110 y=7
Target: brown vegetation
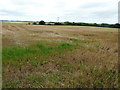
x=90 y=62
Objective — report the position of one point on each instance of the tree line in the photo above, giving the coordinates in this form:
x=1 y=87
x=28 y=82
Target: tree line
x=117 y=25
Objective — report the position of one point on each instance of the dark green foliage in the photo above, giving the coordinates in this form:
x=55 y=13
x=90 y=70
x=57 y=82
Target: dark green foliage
x=34 y=23
x=41 y=22
x=57 y=23
x=64 y=45
x=117 y=25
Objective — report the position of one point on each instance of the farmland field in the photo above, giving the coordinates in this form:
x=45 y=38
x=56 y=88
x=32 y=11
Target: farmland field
x=36 y=56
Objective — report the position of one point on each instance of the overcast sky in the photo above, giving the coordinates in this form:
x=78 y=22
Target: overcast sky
x=91 y=11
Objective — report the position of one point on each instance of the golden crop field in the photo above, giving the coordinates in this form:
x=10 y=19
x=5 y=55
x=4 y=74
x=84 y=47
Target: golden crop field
x=42 y=56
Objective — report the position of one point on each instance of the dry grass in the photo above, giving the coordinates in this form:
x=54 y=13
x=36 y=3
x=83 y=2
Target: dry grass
x=59 y=56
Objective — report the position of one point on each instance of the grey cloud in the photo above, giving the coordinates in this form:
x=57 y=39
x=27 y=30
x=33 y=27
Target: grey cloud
x=88 y=11
x=25 y=3
x=105 y=14
x=11 y=13
x=94 y=5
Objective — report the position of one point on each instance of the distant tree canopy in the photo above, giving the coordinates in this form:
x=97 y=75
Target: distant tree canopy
x=34 y=23
x=117 y=25
x=68 y=23
x=41 y=22
x=57 y=23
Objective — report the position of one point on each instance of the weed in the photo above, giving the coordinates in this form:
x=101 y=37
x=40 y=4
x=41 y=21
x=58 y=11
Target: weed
x=34 y=63
x=98 y=83
x=54 y=77
x=11 y=84
x=68 y=67
x=64 y=45
x=82 y=66
x=73 y=39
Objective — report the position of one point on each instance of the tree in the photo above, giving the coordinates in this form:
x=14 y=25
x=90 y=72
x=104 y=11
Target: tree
x=41 y=22
x=29 y=23
x=57 y=23
x=117 y=25
x=34 y=23
x=67 y=23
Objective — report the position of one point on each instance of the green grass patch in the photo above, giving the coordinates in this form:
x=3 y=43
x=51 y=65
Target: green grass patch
x=16 y=54
x=63 y=47
x=82 y=66
x=11 y=84
x=34 y=63
x=98 y=83
x=69 y=66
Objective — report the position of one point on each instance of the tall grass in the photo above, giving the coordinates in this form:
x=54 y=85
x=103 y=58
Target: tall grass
x=16 y=53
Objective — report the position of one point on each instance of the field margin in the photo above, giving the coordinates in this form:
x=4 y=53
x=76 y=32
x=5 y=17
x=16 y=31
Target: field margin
x=0 y=55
